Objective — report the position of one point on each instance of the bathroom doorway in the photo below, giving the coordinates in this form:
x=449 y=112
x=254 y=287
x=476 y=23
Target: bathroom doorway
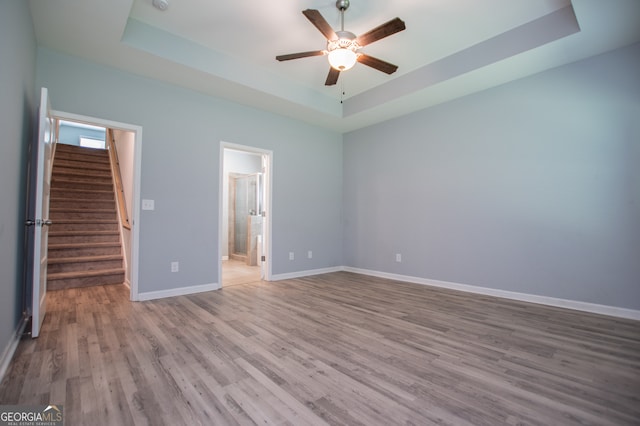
x=244 y=222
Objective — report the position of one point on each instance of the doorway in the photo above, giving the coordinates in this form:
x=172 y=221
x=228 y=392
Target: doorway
x=245 y=225
x=128 y=140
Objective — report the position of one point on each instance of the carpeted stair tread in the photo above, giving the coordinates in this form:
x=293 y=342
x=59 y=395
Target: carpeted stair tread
x=87 y=172
x=84 y=221
x=78 y=259
x=78 y=178
x=82 y=245
x=81 y=233
x=84 y=157
x=78 y=199
x=79 y=164
x=97 y=183
x=77 y=210
x=88 y=160
x=60 y=225
x=93 y=194
x=80 y=203
x=82 y=274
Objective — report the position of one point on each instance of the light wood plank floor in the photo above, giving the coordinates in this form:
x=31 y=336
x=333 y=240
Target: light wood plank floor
x=236 y=272
x=338 y=348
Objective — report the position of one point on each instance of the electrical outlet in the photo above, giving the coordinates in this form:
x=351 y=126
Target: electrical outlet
x=148 y=205
x=291 y=255
x=398 y=257
x=175 y=266
x=310 y=254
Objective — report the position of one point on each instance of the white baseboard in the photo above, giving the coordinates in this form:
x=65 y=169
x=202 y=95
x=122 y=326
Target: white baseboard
x=523 y=297
x=127 y=284
x=309 y=272
x=11 y=347
x=180 y=291
x=225 y=257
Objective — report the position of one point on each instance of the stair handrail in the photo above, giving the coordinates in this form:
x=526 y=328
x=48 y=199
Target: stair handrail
x=115 y=167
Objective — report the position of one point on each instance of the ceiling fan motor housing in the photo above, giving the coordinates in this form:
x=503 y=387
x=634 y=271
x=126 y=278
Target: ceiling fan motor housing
x=342 y=5
x=346 y=35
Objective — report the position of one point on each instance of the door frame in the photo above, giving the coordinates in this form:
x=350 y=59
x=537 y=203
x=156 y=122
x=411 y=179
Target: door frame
x=268 y=191
x=137 y=171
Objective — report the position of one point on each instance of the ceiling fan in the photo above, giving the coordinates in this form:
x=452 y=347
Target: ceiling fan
x=343 y=46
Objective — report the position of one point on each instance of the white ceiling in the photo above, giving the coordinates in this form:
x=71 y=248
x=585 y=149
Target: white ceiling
x=450 y=47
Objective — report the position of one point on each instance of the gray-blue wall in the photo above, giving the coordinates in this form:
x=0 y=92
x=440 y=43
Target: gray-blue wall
x=182 y=131
x=18 y=106
x=71 y=135
x=532 y=187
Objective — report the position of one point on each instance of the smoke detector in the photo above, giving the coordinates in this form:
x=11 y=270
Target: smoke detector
x=161 y=4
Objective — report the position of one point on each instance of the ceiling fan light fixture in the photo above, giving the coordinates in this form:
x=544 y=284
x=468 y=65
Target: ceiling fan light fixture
x=342 y=58
x=342 y=52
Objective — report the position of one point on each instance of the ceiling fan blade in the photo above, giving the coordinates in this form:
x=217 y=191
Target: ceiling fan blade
x=376 y=63
x=320 y=23
x=300 y=55
x=332 y=77
x=382 y=31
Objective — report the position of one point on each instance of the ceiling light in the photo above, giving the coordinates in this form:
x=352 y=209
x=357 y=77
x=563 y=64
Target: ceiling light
x=342 y=59
x=342 y=52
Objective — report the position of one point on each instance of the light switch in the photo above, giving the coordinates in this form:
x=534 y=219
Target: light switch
x=148 y=205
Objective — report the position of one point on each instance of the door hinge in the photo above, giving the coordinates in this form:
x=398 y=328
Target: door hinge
x=263 y=258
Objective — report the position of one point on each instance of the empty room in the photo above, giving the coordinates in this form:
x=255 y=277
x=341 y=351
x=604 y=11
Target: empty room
x=320 y=212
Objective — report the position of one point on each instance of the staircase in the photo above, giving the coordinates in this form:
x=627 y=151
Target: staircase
x=84 y=240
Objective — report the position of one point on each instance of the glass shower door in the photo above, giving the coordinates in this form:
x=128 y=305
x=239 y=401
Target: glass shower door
x=246 y=204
